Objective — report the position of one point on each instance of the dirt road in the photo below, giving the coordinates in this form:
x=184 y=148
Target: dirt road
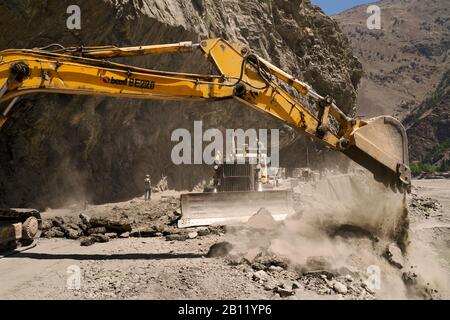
x=144 y=268
x=153 y=268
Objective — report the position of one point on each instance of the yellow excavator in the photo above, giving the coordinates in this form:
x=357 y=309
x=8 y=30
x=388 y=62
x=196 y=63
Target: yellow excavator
x=378 y=144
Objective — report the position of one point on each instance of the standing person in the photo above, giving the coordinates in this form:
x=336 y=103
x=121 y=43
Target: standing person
x=148 y=187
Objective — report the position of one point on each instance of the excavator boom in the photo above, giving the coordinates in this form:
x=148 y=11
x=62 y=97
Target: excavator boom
x=378 y=144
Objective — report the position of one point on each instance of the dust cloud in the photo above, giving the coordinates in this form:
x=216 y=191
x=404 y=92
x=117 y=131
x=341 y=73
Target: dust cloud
x=349 y=221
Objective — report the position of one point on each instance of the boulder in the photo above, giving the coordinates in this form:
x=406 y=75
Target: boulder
x=111 y=235
x=118 y=226
x=394 y=255
x=268 y=260
x=275 y=269
x=339 y=287
x=284 y=293
x=220 y=249
x=58 y=221
x=177 y=237
x=203 y=232
x=263 y=219
x=73 y=233
x=124 y=235
x=87 y=241
x=98 y=237
x=192 y=235
x=97 y=230
x=260 y=275
x=270 y=285
x=46 y=225
x=58 y=232
x=85 y=219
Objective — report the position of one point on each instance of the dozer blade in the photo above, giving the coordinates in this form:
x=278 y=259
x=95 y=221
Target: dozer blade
x=202 y=209
x=381 y=146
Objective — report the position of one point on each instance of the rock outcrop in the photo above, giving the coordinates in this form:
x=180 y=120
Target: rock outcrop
x=57 y=149
x=429 y=127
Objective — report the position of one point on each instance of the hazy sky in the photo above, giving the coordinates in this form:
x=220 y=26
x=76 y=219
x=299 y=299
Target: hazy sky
x=335 y=6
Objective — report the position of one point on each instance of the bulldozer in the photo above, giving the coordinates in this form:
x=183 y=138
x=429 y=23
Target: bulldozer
x=378 y=144
x=241 y=187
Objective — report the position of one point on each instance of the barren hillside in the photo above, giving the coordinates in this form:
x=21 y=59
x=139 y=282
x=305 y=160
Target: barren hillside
x=405 y=60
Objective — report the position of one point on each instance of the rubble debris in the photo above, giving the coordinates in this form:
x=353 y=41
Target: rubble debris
x=424 y=206
x=275 y=269
x=85 y=219
x=263 y=219
x=220 y=249
x=124 y=235
x=118 y=226
x=265 y=261
x=46 y=225
x=260 y=275
x=54 y=232
x=316 y=263
x=90 y=240
x=58 y=221
x=111 y=235
x=203 y=231
x=143 y=232
x=100 y=238
x=417 y=286
x=217 y=230
x=284 y=293
x=394 y=255
x=339 y=287
x=87 y=241
x=409 y=278
x=270 y=285
x=98 y=230
x=177 y=237
x=73 y=233
x=251 y=254
x=193 y=235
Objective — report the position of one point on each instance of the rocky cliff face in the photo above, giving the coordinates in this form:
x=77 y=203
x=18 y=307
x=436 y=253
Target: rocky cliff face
x=57 y=148
x=429 y=126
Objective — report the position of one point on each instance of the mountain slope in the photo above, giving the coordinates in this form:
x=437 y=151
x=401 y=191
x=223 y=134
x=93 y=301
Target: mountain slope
x=405 y=60
x=428 y=127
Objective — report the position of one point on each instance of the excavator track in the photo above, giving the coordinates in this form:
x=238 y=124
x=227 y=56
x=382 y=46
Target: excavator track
x=18 y=227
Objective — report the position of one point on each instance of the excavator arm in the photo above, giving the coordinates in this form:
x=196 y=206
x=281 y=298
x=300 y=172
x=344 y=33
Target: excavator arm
x=378 y=144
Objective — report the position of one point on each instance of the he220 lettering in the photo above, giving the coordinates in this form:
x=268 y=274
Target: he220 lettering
x=137 y=83
x=145 y=84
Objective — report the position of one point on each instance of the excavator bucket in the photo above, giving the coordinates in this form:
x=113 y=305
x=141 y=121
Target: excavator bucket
x=202 y=209
x=381 y=146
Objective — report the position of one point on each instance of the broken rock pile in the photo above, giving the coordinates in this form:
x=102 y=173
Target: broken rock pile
x=286 y=279
x=88 y=230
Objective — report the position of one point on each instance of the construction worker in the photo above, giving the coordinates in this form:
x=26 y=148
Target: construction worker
x=148 y=187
